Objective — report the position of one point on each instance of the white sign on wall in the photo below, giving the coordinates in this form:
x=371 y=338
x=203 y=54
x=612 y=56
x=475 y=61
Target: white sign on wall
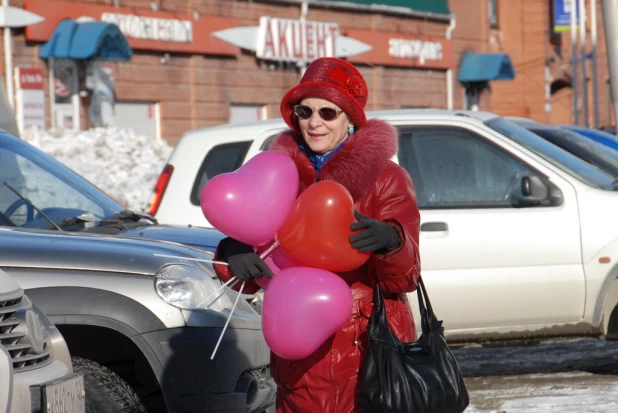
x=415 y=49
x=30 y=98
x=292 y=40
x=296 y=40
x=151 y=28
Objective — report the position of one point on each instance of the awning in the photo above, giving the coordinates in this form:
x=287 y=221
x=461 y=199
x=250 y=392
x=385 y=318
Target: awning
x=87 y=40
x=483 y=67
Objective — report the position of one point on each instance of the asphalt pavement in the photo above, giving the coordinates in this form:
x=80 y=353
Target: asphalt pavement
x=574 y=376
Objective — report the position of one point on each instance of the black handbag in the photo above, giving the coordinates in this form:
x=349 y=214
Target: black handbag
x=418 y=377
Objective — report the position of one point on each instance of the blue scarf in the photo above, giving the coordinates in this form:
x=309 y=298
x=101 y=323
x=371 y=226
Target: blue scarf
x=317 y=159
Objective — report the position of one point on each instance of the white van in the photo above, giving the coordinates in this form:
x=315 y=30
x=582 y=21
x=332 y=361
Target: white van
x=519 y=239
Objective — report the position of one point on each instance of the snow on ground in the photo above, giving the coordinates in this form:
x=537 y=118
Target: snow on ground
x=124 y=165
x=575 y=376
x=575 y=392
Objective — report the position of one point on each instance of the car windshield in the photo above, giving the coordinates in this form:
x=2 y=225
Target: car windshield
x=29 y=178
x=567 y=162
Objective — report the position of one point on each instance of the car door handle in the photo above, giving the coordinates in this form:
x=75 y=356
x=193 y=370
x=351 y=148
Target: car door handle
x=434 y=227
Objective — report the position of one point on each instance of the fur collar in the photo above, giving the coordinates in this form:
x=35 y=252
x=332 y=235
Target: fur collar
x=356 y=166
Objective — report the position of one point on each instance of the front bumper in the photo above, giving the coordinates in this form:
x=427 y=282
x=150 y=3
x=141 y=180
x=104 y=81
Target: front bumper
x=238 y=380
x=26 y=396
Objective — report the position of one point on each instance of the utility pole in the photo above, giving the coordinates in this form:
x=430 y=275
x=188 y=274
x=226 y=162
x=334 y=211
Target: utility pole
x=610 y=20
x=582 y=45
x=574 y=60
x=304 y=8
x=12 y=17
x=8 y=59
x=595 y=75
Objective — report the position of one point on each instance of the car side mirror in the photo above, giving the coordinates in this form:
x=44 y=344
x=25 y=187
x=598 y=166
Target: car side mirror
x=534 y=191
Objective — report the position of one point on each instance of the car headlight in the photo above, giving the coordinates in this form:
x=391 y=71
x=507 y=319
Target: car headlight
x=189 y=288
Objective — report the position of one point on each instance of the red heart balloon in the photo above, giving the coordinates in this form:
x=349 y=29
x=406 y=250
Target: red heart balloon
x=316 y=231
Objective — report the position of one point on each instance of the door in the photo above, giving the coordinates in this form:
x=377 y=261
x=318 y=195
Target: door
x=141 y=117
x=487 y=264
x=247 y=113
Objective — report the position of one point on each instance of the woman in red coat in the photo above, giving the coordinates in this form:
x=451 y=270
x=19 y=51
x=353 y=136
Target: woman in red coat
x=330 y=139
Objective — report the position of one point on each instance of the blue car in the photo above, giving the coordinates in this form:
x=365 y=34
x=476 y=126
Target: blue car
x=604 y=138
x=592 y=152
x=38 y=192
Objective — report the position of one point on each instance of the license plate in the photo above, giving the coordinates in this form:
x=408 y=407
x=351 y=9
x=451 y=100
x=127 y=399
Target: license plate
x=65 y=395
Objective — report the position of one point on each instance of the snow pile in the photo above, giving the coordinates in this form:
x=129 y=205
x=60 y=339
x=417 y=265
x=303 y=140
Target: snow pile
x=122 y=164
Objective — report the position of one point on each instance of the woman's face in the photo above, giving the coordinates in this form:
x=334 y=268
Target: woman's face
x=323 y=136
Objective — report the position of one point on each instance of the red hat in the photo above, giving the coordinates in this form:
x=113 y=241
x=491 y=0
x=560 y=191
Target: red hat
x=331 y=79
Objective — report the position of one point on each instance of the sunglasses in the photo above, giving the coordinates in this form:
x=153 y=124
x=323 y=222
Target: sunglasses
x=327 y=114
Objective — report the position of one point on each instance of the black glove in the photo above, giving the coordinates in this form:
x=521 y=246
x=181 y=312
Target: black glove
x=245 y=264
x=378 y=237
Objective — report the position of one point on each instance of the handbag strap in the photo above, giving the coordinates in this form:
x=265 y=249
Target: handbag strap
x=428 y=318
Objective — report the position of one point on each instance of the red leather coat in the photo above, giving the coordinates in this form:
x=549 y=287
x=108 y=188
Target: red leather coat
x=326 y=381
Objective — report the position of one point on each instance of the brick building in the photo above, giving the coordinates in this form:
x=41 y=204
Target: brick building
x=181 y=76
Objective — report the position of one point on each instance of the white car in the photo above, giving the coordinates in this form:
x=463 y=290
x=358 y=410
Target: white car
x=519 y=239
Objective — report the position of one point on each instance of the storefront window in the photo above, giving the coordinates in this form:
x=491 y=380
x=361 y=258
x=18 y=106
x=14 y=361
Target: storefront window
x=65 y=86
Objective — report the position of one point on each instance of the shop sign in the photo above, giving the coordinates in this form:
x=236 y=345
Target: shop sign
x=138 y=27
x=30 y=98
x=395 y=49
x=292 y=40
x=295 y=40
x=562 y=15
x=144 y=29
x=415 y=49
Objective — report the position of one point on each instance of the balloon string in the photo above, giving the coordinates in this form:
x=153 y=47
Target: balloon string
x=223 y=288
x=192 y=259
x=270 y=249
x=228 y=320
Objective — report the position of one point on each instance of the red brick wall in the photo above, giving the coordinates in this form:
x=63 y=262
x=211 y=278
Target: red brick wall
x=523 y=33
x=196 y=91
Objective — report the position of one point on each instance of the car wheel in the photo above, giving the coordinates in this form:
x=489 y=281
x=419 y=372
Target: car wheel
x=106 y=392
x=612 y=327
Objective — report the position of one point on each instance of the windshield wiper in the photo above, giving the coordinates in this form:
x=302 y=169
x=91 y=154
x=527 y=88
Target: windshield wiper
x=33 y=206
x=128 y=215
x=87 y=217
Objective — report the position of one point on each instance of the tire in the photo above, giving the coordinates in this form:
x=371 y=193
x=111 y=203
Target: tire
x=106 y=392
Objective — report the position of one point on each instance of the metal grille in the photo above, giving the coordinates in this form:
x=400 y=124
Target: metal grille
x=14 y=334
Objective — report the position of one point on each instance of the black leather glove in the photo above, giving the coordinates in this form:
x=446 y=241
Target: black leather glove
x=245 y=264
x=378 y=236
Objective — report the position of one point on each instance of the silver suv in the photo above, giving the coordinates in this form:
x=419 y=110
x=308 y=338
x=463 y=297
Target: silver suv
x=38 y=357
x=133 y=315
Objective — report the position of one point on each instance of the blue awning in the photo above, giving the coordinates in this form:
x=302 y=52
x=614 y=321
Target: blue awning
x=88 y=40
x=483 y=67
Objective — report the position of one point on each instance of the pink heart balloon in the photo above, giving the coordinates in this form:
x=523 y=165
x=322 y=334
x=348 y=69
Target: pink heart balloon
x=251 y=203
x=302 y=308
x=276 y=260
